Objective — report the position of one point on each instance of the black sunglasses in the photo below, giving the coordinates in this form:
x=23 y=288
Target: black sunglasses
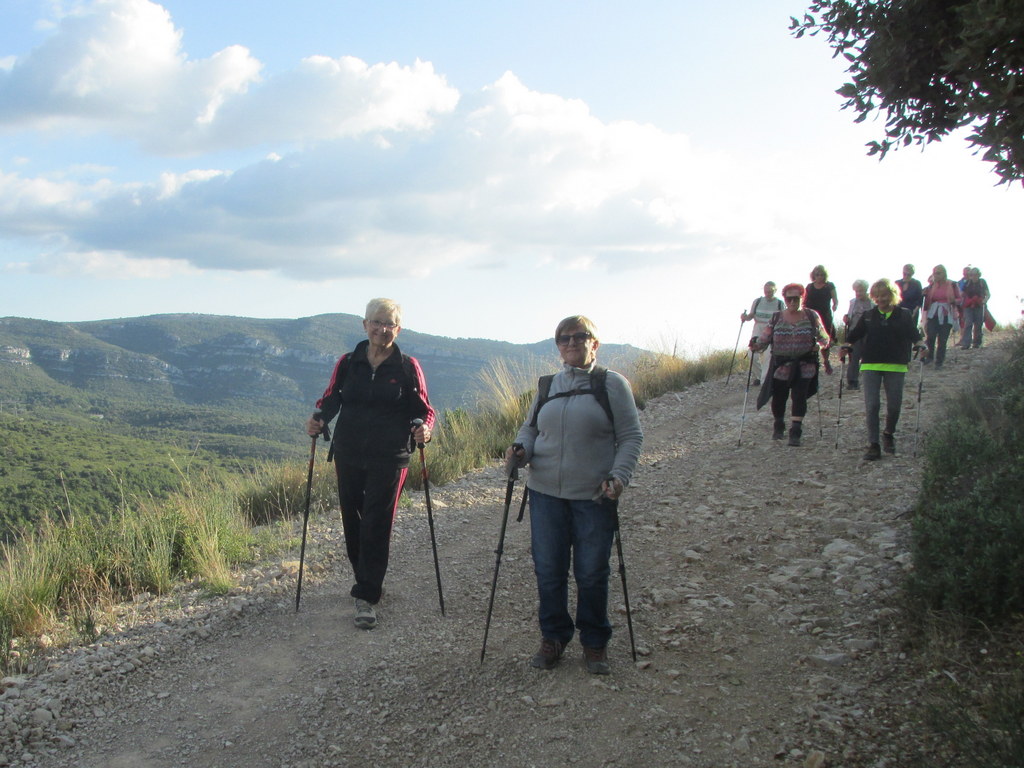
x=579 y=338
x=793 y=298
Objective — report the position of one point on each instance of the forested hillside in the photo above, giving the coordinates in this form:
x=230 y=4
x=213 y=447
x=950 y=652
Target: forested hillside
x=94 y=411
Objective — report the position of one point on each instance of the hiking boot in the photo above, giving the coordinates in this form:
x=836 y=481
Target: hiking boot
x=796 y=429
x=757 y=382
x=853 y=385
x=779 y=430
x=828 y=367
x=549 y=654
x=874 y=453
x=888 y=443
x=596 y=660
x=366 y=616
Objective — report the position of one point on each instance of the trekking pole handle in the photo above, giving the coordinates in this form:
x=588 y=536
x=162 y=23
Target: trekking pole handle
x=417 y=423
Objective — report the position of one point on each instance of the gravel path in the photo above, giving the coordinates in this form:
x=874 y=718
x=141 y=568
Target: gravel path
x=764 y=586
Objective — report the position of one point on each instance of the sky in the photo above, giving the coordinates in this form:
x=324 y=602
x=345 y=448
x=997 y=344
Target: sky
x=493 y=167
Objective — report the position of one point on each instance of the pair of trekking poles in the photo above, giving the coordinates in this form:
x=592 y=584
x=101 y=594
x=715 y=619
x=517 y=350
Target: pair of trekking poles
x=512 y=473
x=326 y=434
x=839 y=407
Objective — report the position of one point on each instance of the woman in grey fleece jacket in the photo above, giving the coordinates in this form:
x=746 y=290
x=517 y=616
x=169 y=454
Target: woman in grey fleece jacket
x=580 y=460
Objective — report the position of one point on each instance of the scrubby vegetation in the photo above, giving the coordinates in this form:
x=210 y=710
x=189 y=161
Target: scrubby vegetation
x=967 y=589
x=64 y=569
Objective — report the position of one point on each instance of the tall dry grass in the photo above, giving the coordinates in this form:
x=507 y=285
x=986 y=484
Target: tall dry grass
x=66 y=569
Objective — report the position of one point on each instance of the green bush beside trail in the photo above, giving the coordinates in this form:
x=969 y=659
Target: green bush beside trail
x=968 y=531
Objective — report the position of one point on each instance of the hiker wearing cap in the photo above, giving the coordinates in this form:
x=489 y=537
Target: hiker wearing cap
x=796 y=335
x=376 y=392
x=886 y=334
x=582 y=439
x=761 y=312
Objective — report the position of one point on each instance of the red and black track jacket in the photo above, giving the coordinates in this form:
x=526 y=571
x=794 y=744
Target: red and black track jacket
x=375 y=409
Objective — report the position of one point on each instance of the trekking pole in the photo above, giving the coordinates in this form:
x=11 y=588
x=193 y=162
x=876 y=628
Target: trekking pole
x=839 y=408
x=512 y=472
x=743 y=415
x=430 y=516
x=920 y=386
x=622 y=575
x=735 y=350
x=821 y=426
x=305 y=515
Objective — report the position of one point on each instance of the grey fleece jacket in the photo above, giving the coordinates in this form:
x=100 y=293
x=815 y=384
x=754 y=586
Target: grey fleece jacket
x=574 y=447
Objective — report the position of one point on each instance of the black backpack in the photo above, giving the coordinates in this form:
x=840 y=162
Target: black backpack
x=599 y=389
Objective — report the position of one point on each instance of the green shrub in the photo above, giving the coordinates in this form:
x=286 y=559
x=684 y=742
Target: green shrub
x=983 y=728
x=969 y=521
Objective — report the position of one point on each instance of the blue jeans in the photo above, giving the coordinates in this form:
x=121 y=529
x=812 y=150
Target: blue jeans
x=974 y=324
x=585 y=530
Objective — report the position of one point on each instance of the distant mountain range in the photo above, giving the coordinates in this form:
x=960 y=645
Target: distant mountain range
x=232 y=362
x=234 y=387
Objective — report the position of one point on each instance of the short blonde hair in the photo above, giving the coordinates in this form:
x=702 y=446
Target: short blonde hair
x=383 y=305
x=583 y=322
x=885 y=285
x=862 y=284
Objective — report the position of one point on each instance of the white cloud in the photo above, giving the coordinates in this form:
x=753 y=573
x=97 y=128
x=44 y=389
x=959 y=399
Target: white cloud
x=118 y=66
x=377 y=170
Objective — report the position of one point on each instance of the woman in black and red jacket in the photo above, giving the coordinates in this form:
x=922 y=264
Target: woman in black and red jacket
x=377 y=392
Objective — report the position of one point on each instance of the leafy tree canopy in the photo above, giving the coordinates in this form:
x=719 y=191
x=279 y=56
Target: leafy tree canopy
x=932 y=66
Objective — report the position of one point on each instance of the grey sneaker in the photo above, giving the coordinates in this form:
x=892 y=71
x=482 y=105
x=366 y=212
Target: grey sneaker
x=366 y=616
x=596 y=660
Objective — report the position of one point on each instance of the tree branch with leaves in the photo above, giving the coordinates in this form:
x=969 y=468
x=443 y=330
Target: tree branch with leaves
x=932 y=67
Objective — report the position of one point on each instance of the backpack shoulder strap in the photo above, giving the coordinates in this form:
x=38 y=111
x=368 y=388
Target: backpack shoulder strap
x=410 y=374
x=543 y=388
x=598 y=388
x=599 y=382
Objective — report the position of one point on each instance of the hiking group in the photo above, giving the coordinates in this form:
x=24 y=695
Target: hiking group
x=881 y=332
x=581 y=439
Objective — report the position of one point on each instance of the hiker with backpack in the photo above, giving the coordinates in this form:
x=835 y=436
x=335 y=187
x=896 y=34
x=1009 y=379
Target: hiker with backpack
x=859 y=304
x=886 y=333
x=821 y=296
x=941 y=308
x=911 y=293
x=377 y=393
x=796 y=335
x=582 y=439
x=761 y=312
x=974 y=296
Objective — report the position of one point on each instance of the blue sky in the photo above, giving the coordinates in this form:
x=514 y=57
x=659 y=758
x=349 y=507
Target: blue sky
x=493 y=169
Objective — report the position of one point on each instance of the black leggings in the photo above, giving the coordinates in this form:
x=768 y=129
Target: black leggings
x=783 y=390
x=369 y=499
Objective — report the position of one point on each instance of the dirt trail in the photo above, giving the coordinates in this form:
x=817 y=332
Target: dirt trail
x=764 y=582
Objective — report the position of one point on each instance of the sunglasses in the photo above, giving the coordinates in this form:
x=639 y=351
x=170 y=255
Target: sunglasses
x=579 y=338
x=793 y=298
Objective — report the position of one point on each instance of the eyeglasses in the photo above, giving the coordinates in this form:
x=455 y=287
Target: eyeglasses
x=579 y=338
x=379 y=325
x=793 y=298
